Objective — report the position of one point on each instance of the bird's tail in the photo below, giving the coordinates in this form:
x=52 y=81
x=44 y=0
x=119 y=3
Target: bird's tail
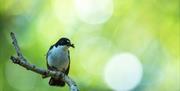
x=56 y=82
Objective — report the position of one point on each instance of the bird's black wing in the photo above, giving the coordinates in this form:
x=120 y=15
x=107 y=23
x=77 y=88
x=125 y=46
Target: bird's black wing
x=48 y=52
x=67 y=70
x=49 y=67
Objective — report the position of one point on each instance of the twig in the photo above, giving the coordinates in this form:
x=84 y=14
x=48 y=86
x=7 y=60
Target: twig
x=20 y=60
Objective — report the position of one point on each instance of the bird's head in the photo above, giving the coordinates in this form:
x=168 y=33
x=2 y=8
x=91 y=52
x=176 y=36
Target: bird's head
x=64 y=42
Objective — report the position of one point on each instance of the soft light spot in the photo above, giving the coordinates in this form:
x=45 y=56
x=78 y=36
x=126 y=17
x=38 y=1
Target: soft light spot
x=64 y=11
x=123 y=72
x=94 y=11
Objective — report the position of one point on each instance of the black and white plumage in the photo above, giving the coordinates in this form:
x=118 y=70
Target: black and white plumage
x=58 y=59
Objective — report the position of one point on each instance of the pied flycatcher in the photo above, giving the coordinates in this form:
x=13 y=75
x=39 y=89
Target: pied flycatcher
x=58 y=59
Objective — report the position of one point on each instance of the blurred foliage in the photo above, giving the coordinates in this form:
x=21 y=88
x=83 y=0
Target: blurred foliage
x=148 y=29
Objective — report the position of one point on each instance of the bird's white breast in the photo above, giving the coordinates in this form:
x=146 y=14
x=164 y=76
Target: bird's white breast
x=58 y=57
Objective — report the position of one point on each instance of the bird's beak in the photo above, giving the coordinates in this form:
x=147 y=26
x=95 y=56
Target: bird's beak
x=72 y=45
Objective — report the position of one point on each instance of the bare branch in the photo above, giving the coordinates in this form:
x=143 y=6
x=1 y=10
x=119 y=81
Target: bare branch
x=20 y=60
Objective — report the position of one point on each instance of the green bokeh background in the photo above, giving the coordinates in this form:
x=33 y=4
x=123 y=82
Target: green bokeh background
x=149 y=29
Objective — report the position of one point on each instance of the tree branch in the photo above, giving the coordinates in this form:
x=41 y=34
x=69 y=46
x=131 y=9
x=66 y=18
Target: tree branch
x=20 y=60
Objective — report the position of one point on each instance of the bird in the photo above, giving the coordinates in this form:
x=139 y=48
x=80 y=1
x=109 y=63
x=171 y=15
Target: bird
x=58 y=59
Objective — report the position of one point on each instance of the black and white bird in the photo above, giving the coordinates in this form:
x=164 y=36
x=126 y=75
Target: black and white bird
x=58 y=59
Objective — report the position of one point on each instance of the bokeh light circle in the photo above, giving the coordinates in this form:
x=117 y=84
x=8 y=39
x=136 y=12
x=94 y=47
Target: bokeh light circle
x=94 y=11
x=64 y=11
x=123 y=72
